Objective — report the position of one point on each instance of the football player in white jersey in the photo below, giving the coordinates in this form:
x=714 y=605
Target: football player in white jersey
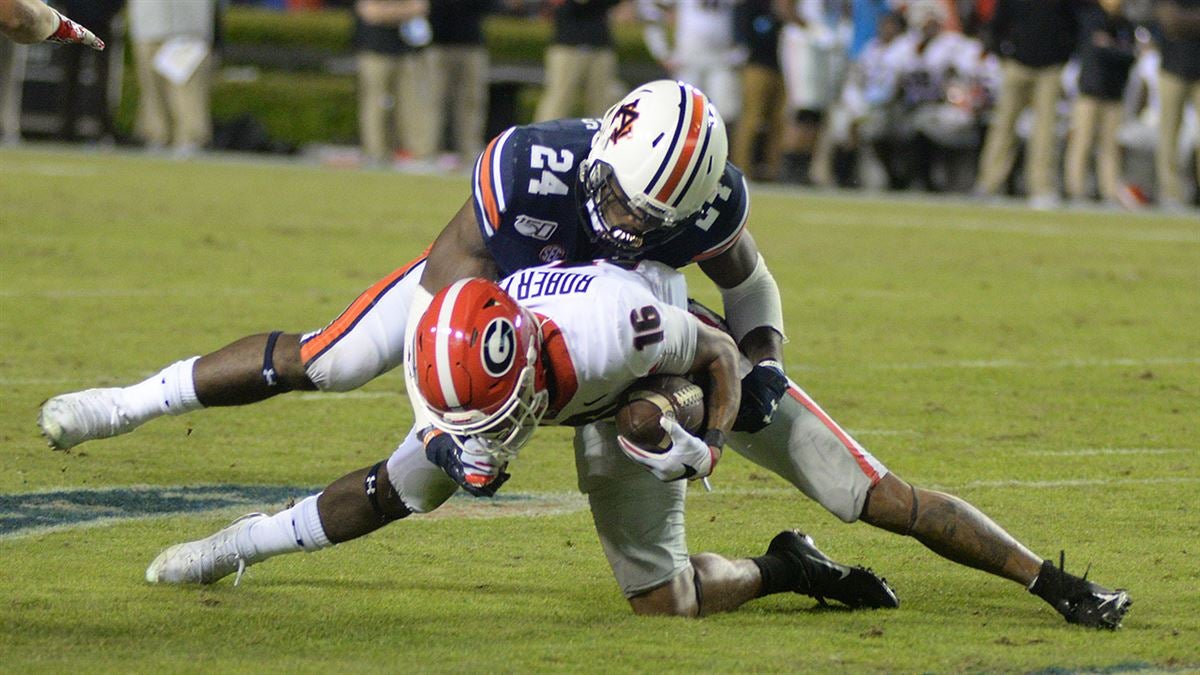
x=491 y=370
x=802 y=444
x=487 y=371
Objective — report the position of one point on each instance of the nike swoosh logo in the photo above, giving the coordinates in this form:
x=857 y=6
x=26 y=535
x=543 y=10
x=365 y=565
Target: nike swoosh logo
x=588 y=404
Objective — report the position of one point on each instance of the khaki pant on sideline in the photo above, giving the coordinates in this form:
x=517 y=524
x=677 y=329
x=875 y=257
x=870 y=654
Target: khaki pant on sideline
x=571 y=70
x=763 y=105
x=1094 y=119
x=169 y=113
x=394 y=106
x=1174 y=92
x=459 y=82
x=1021 y=86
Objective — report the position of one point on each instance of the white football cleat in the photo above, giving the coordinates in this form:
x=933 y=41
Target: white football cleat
x=71 y=419
x=206 y=560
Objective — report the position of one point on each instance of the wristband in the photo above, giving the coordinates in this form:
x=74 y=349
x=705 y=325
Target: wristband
x=715 y=438
x=772 y=363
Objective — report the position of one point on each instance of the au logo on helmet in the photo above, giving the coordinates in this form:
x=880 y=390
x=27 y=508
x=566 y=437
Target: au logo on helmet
x=499 y=347
x=625 y=116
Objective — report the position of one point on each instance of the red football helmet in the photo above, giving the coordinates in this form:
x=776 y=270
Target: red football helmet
x=474 y=360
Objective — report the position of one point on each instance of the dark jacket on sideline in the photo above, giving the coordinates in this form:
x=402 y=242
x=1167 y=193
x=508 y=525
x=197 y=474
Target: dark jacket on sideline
x=1103 y=71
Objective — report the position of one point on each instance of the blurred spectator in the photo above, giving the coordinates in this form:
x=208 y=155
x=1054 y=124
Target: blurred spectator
x=807 y=45
x=172 y=44
x=459 y=85
x=12 y=80
x=764 y=110
x=1106 y=54
x=701 y=49
x=580 y=60
x=1034 y=39
x=838 y=18
x=940 y=99
x=394 y=107
x=866 y=15
x=869 y=99
x=1179 y=82
x=99 y=15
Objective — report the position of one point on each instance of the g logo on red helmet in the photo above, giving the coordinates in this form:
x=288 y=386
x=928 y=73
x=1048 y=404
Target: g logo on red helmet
x=499 y=347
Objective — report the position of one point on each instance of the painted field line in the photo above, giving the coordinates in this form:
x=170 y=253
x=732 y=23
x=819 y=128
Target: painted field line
x=1128 y=231
x=1000 y=364
x=58 y=294
x=1095 y=452
x=48 y=169
x=948 y=487
x=883 y=432
x=1076 y=482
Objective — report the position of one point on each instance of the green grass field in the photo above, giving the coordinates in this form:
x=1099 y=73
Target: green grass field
x=1045 y=366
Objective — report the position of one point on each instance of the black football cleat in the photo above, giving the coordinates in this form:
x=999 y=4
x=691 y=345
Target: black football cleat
x=1079 y=600
x=821 y=578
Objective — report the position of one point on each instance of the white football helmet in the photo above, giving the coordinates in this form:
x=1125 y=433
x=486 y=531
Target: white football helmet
x=657 y=159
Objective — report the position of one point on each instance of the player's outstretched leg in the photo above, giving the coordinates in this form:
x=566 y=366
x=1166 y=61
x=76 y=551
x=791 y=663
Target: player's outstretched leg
x=1079 y=600
x=356 y=504
x=249 y=370
x=794 y=563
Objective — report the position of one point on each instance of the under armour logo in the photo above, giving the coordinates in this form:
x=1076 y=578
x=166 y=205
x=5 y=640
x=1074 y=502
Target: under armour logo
x=371 y=484
x=269 y=376
x=624 y=118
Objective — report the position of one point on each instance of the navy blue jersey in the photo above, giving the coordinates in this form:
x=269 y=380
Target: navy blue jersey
x=528 y=197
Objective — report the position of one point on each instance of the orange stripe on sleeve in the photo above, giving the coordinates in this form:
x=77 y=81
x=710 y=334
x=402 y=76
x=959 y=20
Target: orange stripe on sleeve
x=330 y=334
x=486 y=189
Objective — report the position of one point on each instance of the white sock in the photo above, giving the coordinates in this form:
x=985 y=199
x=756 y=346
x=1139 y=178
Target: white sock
x=296 y=529
x=171 y=391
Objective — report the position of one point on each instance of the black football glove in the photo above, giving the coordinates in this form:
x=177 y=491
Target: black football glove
x=762 y=388
x=479 y=474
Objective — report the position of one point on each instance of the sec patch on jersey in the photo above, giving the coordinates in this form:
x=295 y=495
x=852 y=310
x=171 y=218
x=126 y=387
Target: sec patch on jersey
x=648 y=399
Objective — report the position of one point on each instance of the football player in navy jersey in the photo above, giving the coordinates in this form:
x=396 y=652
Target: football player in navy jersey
x=648 y=181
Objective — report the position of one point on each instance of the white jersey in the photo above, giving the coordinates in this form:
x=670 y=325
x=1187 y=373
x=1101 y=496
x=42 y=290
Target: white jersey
x=609 y=325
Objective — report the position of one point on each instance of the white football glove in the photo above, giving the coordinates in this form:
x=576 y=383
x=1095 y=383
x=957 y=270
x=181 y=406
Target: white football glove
x=481 y=465
x=689 y=457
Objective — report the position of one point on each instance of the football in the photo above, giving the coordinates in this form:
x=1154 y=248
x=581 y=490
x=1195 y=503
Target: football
x=652 y=397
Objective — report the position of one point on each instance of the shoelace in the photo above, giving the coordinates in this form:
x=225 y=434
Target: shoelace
x=241 y=568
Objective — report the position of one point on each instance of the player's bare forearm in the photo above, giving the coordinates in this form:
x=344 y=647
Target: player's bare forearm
x=717 y=356
x=761 y=343
x=458 y=253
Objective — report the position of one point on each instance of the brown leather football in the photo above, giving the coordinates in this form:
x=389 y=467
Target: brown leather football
x=652 y=397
